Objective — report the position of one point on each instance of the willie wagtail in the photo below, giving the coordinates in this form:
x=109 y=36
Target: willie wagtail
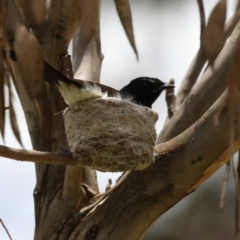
x=142 y=91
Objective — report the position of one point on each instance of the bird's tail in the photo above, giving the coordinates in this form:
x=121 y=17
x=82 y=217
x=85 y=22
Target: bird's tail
x=53 y=76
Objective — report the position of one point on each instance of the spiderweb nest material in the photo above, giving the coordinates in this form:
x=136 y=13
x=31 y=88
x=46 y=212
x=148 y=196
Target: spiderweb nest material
x=111 y=134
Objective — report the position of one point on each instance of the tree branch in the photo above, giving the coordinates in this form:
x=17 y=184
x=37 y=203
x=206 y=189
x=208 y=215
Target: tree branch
x=202 y=15
x=190 y=78
x=56 y=158
x=232 y=22
x=5 y=228
x=181 y=164
x=206 y=91
x=199 y=60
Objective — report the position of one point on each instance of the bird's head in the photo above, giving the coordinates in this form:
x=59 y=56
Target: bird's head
x=145 y=90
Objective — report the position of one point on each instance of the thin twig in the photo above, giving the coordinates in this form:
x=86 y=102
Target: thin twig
x=37 y=156
x=170 y=100
x=70 y=69
x=1 y=221
x=202 y=15
x=224 y=185
x=109 y=185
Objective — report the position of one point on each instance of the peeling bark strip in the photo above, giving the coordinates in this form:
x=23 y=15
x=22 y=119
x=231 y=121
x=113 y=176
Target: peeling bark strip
x=125 y=14
x=213 y=37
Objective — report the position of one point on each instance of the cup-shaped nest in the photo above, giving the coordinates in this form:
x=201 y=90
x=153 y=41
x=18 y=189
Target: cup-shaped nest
x=111 y=134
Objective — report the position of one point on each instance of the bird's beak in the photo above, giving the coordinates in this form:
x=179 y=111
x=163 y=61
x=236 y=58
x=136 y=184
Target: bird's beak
x=167 y=85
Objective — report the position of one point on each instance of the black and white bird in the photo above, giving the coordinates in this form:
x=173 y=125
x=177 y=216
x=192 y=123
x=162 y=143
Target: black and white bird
x=142 y=91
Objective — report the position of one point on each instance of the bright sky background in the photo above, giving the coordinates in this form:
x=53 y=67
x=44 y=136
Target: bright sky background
x=167 y=37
